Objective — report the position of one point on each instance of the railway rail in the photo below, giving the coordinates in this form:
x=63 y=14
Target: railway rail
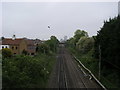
x=67 y=73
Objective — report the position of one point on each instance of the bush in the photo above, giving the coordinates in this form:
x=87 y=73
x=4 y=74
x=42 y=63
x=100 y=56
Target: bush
x=24 y=52
x=6 y=53
x=26 y=72
x=43 y=48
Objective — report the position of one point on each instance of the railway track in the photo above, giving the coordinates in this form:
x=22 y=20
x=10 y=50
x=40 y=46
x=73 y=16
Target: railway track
x=62 y=80
x=68 y=74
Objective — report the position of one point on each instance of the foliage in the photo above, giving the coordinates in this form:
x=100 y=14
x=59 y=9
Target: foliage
x=85 y=44
x=6 y=53
x=84 y=49
x=108 y=38
x=87 y=50
x=48 y=46
x=52 y=43
x=27 y=72
x=43 y=48
x=24 y=52
x=22 y=71
x=70 y=42
x=77 y=35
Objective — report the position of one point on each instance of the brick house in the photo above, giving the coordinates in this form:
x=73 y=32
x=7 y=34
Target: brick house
x=31 y=47
x=16 y=45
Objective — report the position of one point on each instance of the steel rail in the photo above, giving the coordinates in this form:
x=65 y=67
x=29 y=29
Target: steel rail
x=79 y=76
x=62 y=80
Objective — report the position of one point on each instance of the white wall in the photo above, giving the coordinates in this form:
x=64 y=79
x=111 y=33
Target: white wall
x=4 y=46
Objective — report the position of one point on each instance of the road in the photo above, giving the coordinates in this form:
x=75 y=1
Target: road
x=68 y=74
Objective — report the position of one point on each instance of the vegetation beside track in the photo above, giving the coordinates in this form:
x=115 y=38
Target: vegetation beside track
x=106 y=46
x=23 y=71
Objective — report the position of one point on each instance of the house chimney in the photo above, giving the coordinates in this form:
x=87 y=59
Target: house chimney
x=13 y=37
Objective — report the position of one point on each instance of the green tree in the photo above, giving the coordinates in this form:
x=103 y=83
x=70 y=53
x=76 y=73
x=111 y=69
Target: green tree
x=85 y=44
x=6 y=53
x=70 y=42
x=43 y=48
x=77 y=35
x=108 y=38
x=52 y=43
x=24 y=52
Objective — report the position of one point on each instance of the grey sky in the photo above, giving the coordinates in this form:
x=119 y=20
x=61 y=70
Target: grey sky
x=30 y=19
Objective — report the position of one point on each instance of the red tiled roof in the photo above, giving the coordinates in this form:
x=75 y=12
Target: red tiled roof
x=9 y=41
x=17 y=41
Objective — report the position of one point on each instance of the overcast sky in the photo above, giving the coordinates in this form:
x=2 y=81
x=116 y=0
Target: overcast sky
x=31 y=19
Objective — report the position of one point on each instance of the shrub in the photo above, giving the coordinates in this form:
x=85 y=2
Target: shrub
x=24 y=52
x=6 y=53
x=43 y=48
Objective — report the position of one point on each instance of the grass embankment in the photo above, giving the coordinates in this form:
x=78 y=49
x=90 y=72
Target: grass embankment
x=26 y=71
x=93 y=64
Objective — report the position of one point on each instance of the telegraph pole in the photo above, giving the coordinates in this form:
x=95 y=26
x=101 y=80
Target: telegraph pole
x=99 y=61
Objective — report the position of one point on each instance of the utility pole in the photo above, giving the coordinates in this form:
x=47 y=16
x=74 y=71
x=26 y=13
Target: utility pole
x=99 y=61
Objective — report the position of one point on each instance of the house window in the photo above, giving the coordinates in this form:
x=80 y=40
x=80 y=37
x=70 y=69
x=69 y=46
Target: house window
x=12 y=48
x=16 y=47
x=2 y=47
x=14 y=53
x=6 y=47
